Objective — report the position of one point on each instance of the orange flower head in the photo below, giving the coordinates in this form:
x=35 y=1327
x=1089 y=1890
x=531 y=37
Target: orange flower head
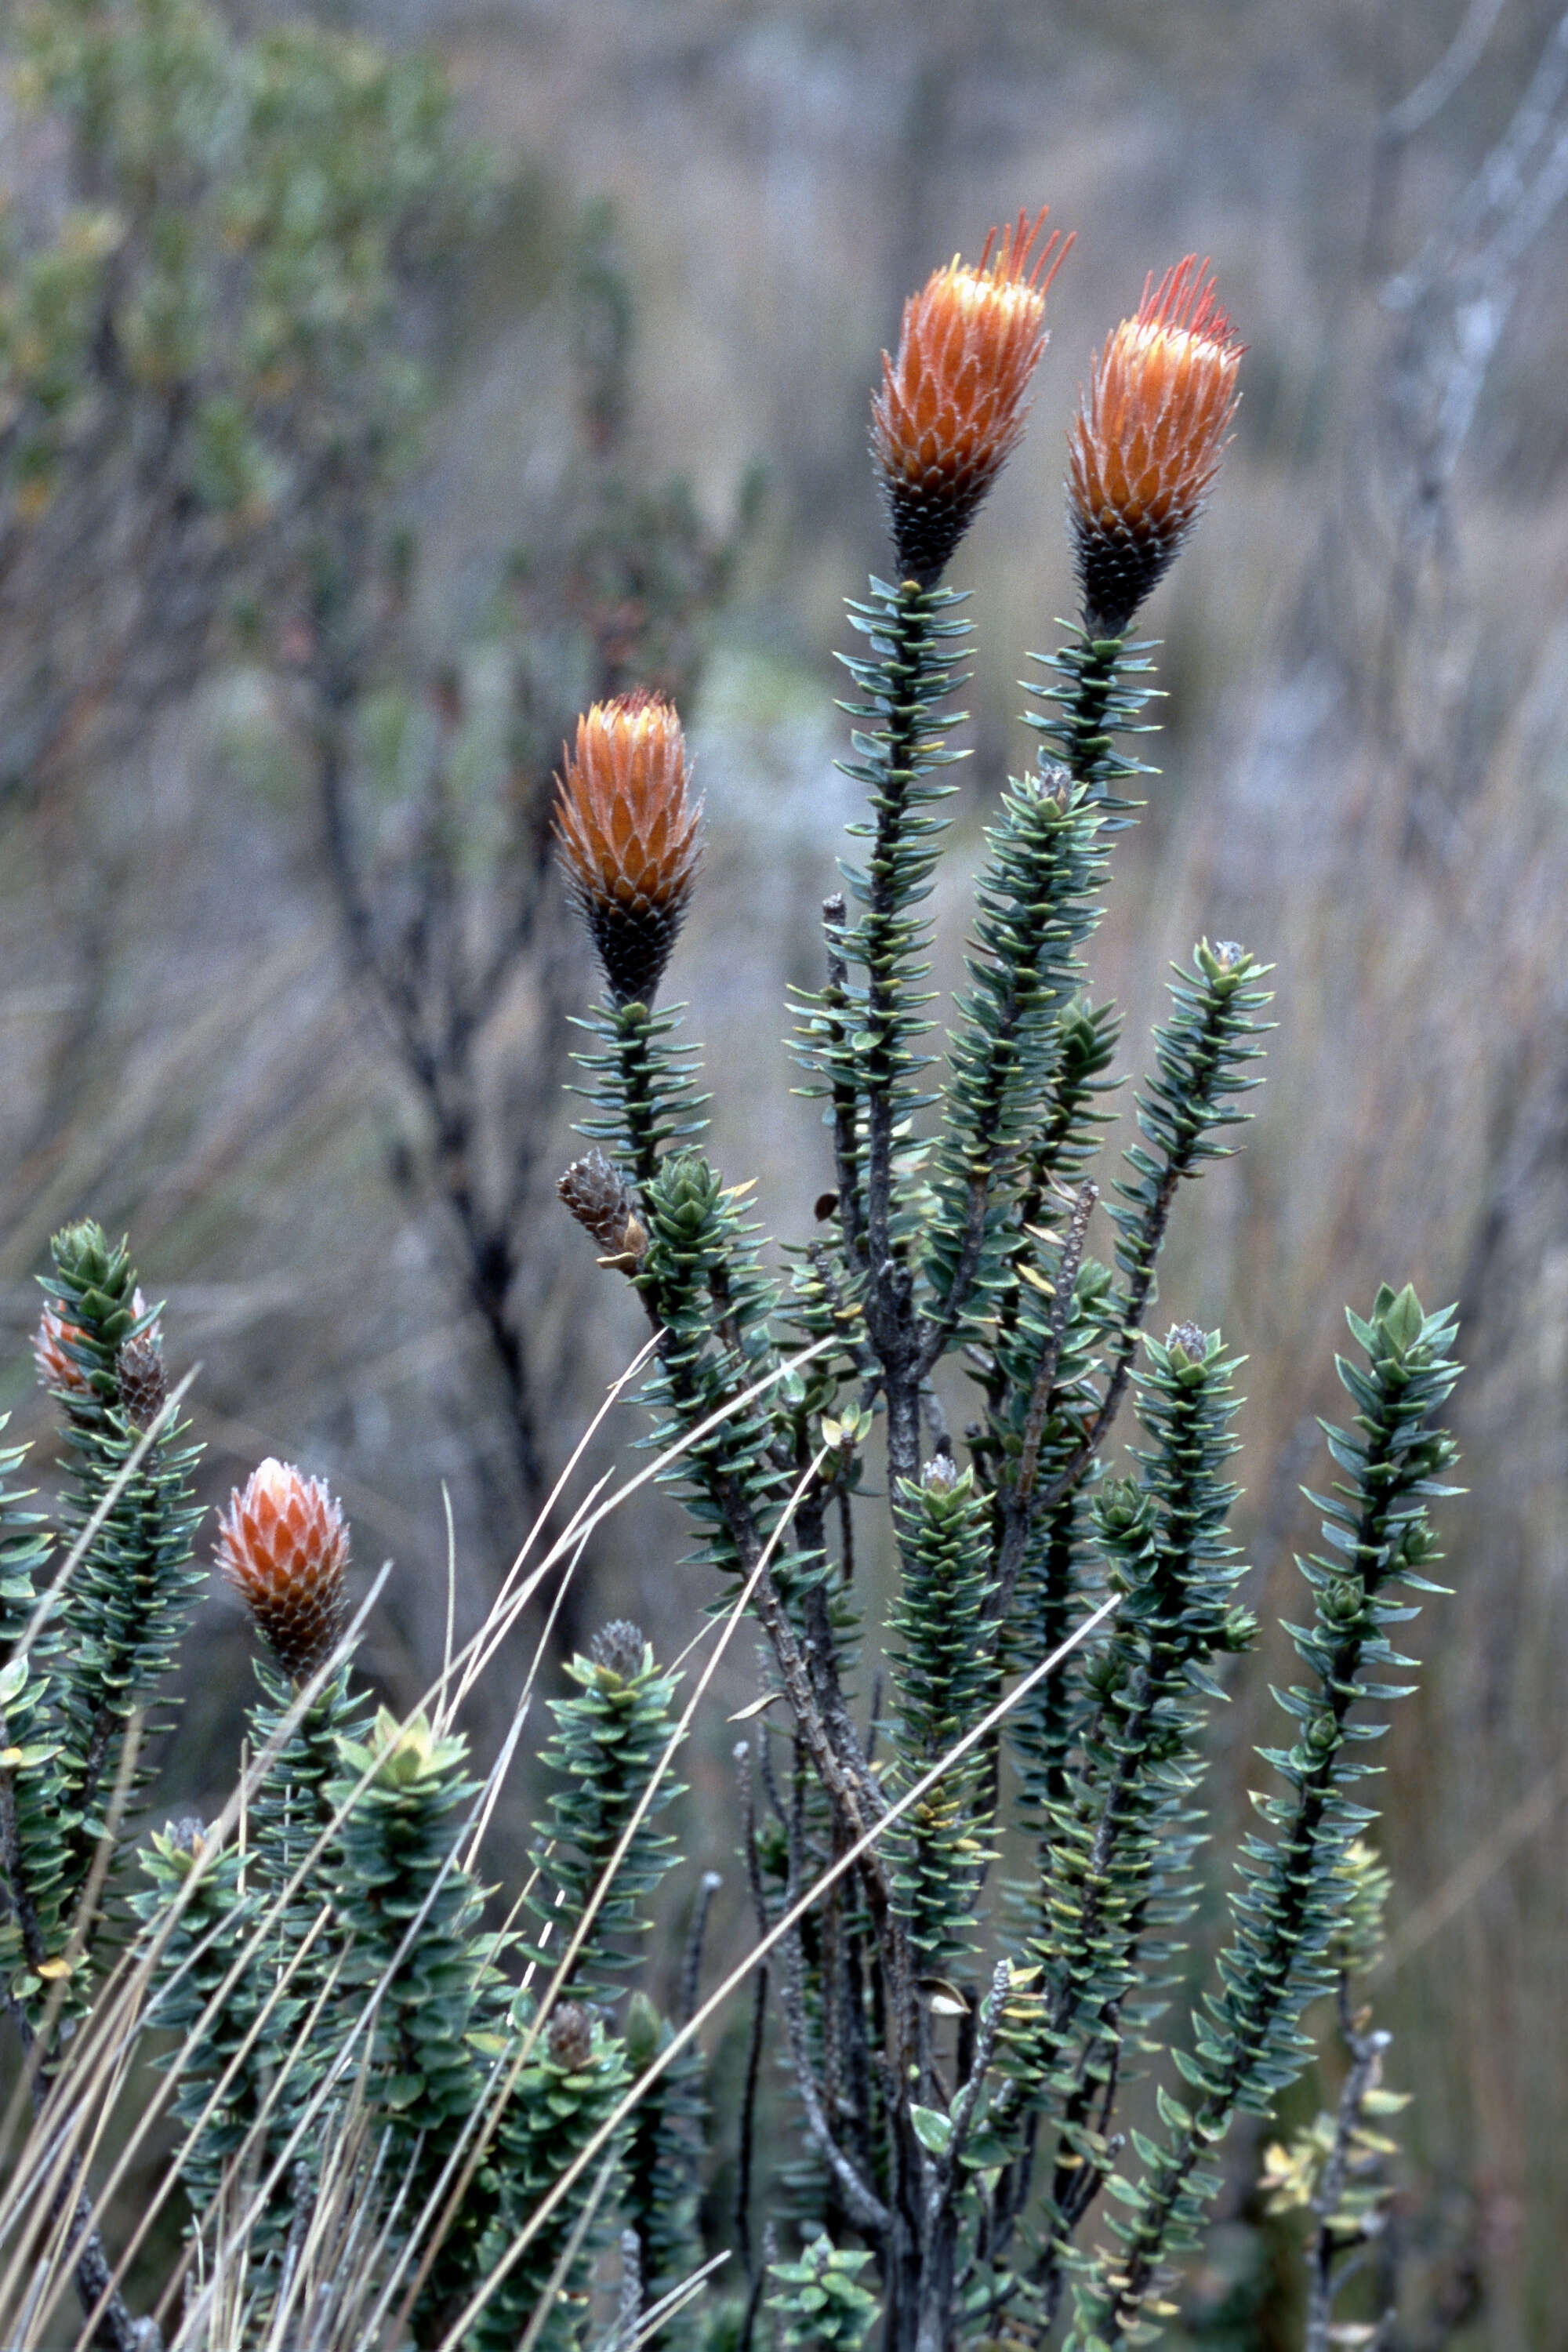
x=952 y=403
x=52 y=1342
x=284 y=1545
x=1146 y=443
x=626 y=828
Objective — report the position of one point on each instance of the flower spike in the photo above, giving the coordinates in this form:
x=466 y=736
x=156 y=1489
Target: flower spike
x=953 y=404
x=283 y=1544
x=628 y=833
x=1145 y=445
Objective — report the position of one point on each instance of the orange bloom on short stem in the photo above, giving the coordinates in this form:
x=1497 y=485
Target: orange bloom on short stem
x=952 y=403
x=284 y=1545
x=627 y=832
x=1146 y=443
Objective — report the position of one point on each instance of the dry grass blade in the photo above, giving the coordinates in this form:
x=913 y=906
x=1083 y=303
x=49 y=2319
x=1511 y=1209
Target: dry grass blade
x=81 y=2110
x=115 y=2020
x=112 y=2026
x=783 y=1927
x=576 y=2238
x=159 y=1428
x=733 y=1618
x=669 y=2306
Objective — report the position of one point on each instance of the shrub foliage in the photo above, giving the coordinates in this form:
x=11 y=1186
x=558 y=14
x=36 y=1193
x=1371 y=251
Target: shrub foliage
x=974 y=1837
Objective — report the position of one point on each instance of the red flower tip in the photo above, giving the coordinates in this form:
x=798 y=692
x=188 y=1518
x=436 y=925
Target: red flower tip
x=952 y=403
x=1145 y=445
x=283 y=1543
x=628 y=831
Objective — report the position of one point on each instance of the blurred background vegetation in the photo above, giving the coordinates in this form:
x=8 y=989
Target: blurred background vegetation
x=379 y=385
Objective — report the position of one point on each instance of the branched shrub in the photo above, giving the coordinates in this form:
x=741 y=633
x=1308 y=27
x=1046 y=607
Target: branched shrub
x=974 y=1836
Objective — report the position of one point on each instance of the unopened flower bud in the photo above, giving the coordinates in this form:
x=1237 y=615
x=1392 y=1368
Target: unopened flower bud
x=952 y=403
x=1238 y=1631
x=1191 y=1338
x=1343 y=1599
x=143 y=1388
x=284 y=1545
x=627 y=833
x=618 y=1648
x=570 y=2037
x=1146 y=444
x=599 y=1198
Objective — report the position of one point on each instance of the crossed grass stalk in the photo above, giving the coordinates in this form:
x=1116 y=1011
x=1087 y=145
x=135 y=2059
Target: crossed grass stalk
x=100 y=2049
x=100 y=2054
x=384 y=2132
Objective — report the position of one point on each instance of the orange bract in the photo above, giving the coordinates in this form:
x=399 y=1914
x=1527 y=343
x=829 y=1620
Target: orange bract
x=1145 y=445
x=57 y=1369
x=628 y=831
x=284 y=1544
x=952 y=403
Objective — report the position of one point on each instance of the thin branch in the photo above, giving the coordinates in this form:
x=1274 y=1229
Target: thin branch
x=865 y=2208
x=1453 y=69
x=692 y=1965
x=1330 y=2244
x=759 y=2007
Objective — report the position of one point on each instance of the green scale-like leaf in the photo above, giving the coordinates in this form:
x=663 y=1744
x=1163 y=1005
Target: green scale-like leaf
x=642 y=1086
x=608 y=1741
x=419 y=1976
x=1095 y=690
x=112 y=1636
x=944 y=1677
x=1037 y=903
x=1119 y=1861
x=208 y=1996
x=1294 y=1891
x=663 y=2167
x=713 y=1302
x=864 y=1045
x=558 y=2104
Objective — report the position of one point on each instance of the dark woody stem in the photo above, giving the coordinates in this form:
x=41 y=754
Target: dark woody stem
x=1331 y=2247
x=1256 y=2000
x=113 y=2326
x=845 y=1133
